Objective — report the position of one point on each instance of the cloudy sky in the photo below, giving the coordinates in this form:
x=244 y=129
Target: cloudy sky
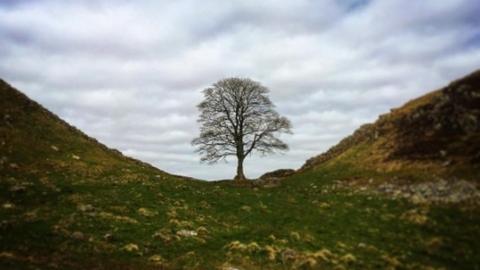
x=130 y=73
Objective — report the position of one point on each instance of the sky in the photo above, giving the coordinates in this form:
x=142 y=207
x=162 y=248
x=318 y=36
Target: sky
x=130 y=73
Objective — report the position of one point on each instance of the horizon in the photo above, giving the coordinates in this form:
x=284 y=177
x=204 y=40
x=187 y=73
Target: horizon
x=328 y=72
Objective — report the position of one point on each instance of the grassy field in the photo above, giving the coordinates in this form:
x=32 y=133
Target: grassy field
x=152 y=222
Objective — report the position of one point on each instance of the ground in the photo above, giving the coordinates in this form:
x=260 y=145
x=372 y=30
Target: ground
x=140 y=220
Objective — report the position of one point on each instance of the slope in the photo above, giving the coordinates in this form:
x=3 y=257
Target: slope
x=438 y=133
x=34 y=140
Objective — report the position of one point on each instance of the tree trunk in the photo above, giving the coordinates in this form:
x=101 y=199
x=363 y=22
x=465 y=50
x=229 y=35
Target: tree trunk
x=240 y=176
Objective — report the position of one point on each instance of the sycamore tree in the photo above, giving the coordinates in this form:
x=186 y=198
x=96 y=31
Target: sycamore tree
x=236 y=119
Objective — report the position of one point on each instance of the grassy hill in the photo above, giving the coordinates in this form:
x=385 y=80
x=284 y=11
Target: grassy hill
x=68 y=202
x=438 y=133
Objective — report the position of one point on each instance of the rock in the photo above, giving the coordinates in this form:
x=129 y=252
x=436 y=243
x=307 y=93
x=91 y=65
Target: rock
x=78 y=235
x=439 y=191
x=108 y=237
x=85 y=207
x=271 y=252
x=202 y=231
x=289 y=255
x=146 y=212
x=163 y=235
x=324 y=205
x=417 y=199
x=348 y=258
x=8 y=205
x=392 y=261
x=323 y=254
x=229 y=267
x=3 y=160
x=18 y=189
x=131 y=247
x=415 y=216
x=253 y=247
x=187 y=233
x=75 y=157
x=246 y=208
x=54 y=148
x=433 y=244
x=295 y=236
x=156 y=259
x=14 y=166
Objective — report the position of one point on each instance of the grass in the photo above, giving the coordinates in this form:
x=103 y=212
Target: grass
x=295 y=220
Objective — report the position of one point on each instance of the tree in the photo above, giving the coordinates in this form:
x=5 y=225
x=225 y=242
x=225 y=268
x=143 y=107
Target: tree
x=237 y=118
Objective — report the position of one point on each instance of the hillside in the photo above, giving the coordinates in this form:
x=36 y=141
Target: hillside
x=34 y=141
x=439 y=133
x=69 y=202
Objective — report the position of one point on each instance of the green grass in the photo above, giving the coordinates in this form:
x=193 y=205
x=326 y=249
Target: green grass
x=296 y=216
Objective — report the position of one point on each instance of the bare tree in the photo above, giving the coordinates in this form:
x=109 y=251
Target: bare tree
x=237 y=118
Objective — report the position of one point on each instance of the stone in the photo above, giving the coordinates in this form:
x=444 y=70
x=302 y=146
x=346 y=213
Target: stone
x=8 y=205
x=271 y=252
x=438 y=191
x=202 y=231
x=156 y=258
x=295 y=236
x=246 y=208
x=54 y=148
x=392 y=261
x=187 y=233
x=14 y=165
x=108 y=237
x=415 y=216
x=324 y=205
x=348 y=258
x=289 y=255
x=229 y=267
x=131 y=247
x=18 y=189
x=146 y=212
x=447 y=163
x=323 y=254
x=163 y=235
x=78 y=235
x=417 y=199
x=85 y=207
x=75 y=157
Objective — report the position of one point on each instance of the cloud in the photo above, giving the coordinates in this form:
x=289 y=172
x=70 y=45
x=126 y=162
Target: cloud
x=131 y=73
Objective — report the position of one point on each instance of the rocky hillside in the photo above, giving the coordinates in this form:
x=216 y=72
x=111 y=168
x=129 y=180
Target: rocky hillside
x=33 y=141
x=439 y=132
